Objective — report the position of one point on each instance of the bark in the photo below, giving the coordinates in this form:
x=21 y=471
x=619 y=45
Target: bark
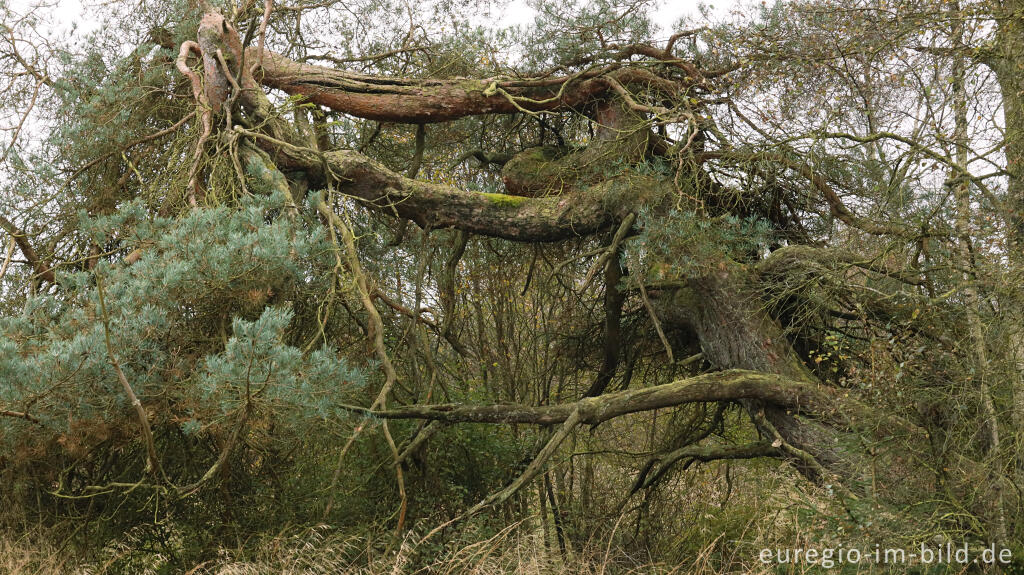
x=614 y=298
x=1004 y=58
x=724 y=308
x=726 y=312
x=799 y=397
x=659 y=466
x=580 y=213
x=622 y=137
x=426 y=100
x=1005 y=62
x=962 y=223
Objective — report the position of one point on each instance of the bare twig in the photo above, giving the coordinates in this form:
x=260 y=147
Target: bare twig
x=654 y=320
x=612 y=249
x=338 y=227
x=19 y=415
x=7 y=257
x=207 y=113
x=152 y=463
x=221 y=459
x=531 y=471
x=132 y=144
x=268 y=7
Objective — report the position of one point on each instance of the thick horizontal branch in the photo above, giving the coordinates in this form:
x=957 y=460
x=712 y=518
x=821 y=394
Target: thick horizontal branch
x=575 y=213
x=426 y=100
x=518 y=218
x=732 y=385
x=789 y=265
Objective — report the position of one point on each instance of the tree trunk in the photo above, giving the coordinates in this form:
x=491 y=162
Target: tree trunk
x=1005 y=60
x=962 y=193
x=725 y=311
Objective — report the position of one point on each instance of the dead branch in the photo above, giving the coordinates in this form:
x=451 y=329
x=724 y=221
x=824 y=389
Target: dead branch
x=42 y=270
x=798 y=397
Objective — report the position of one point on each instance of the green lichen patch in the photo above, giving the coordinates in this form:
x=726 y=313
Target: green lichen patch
x=505 y=200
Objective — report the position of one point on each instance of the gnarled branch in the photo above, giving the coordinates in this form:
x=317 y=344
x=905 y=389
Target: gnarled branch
x=42 y=269
x=425 y=100
x=731 y=385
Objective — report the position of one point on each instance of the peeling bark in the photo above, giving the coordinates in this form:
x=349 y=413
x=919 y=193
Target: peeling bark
x=426 y=100
x=584 y=212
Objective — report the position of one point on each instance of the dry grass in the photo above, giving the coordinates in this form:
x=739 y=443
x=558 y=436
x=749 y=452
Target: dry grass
x=692 y=522
x=319 y=551
x=31 y=556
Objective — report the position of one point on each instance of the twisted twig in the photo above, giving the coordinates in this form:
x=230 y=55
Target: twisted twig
x=207 y=113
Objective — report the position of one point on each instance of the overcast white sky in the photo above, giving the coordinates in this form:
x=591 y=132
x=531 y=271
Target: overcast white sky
x=75 y=13
x=668 y=12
